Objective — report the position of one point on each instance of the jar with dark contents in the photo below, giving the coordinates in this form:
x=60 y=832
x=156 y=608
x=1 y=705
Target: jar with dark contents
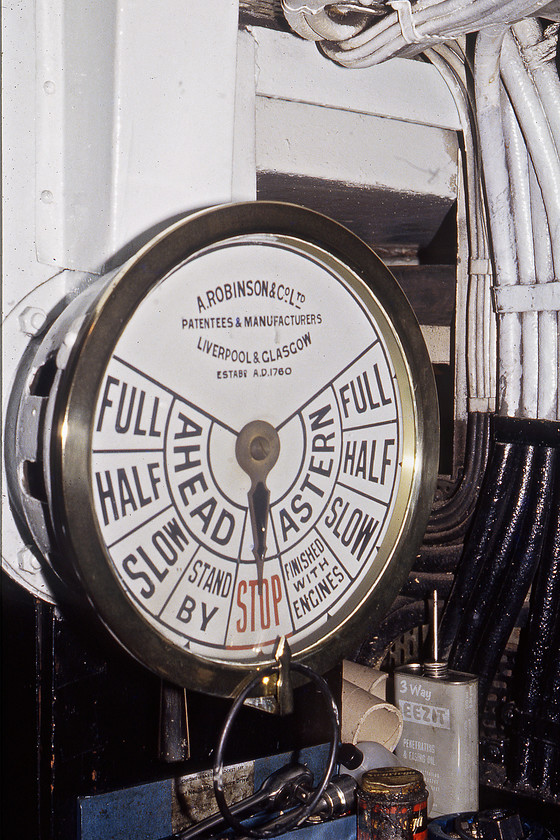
x=392 y=805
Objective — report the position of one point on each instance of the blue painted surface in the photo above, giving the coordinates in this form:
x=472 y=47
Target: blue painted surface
x=342 y=829
x=142 y=812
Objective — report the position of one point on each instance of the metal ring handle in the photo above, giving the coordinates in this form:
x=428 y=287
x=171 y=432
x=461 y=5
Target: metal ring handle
x=300 y=813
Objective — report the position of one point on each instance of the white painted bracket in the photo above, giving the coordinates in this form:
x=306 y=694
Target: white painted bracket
x=135 y=121
x=530 y=297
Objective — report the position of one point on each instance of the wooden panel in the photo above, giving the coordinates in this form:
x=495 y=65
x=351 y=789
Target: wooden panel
x=380 y=217
x=430 y=290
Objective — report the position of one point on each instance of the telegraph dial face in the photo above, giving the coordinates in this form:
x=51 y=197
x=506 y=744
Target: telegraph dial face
x=245 y=445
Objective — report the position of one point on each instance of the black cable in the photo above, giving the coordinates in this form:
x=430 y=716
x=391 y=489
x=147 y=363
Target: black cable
x=438 y=559
x=450 y=519
x=408 y=615
x=299 y=815
x=548 y=753
x=530 y=539
x=550 y=694
x=420 y=585
x=497 y=560
x=532 y=665
x=490 y=514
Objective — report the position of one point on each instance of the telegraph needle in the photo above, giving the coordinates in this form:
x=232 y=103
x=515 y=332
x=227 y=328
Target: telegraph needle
x=257 y=449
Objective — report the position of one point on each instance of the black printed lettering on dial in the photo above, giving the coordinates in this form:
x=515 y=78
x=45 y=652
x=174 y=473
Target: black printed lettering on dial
x=301 y=508
x=128 y=410
x=364 y=393
x=351 y=525
x=124 y=490
x=208 y=516
x=149 y=563
x=174 y=504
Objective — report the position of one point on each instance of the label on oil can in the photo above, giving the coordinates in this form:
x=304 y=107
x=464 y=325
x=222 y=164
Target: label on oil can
x=391 y=804
x=384 y=821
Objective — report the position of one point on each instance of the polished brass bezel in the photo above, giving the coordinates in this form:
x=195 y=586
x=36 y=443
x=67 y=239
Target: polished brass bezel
x=78 y=534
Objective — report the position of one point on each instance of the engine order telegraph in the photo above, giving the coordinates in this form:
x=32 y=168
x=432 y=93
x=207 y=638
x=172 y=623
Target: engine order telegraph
x=238 y=443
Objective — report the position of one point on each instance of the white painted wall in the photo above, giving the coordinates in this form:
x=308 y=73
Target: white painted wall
x=120 y=115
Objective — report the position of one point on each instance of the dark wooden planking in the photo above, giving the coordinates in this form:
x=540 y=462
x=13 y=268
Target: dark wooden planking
x=395 y=224
x=430 y=290
x=381 y=217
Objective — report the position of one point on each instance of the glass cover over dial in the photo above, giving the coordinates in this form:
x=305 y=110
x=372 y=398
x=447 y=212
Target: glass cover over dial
x=246 y=444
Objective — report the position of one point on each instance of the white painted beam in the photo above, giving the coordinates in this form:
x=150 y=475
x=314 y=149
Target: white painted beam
x=20 y=270
x=438 y=342
x=135 y=121
x=294 y=138
x=294 y=69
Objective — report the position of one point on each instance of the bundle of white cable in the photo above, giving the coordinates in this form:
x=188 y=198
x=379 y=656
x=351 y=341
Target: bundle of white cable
x=480 y=321
x=518 y=106
x=349 y=37
x=517 y=123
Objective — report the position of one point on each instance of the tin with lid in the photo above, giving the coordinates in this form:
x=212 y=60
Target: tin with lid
x=392 y=805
